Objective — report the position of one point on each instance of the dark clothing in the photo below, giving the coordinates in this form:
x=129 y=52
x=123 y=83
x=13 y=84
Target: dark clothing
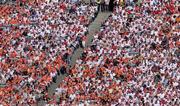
x=63 y=70
x=111 y=5
x=103 y=6
x=99 y=6
x=65 y=56
x=54 y=79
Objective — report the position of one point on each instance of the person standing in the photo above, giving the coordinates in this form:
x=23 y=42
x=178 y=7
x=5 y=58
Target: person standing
x=106 y=4
x=102 y=5
x=99 y=4
x=111 y=5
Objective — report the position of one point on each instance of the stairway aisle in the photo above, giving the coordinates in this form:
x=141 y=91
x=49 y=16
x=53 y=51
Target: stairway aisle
x=93 y=28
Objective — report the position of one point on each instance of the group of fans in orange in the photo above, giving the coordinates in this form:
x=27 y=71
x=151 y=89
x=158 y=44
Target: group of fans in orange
x=36 y=41
x=133 y=60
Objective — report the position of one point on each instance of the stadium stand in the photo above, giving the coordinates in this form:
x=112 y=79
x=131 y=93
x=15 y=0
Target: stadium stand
x=133 y=60
x=36 y=41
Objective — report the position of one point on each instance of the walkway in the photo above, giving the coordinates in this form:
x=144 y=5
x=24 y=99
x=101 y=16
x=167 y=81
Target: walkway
x=93 y=28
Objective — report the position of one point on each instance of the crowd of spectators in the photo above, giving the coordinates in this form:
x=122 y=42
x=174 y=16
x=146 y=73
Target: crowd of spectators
x=133 y=60
x=35 y=42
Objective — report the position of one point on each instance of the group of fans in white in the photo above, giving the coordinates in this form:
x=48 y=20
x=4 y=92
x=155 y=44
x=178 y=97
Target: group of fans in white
x=133 y=59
